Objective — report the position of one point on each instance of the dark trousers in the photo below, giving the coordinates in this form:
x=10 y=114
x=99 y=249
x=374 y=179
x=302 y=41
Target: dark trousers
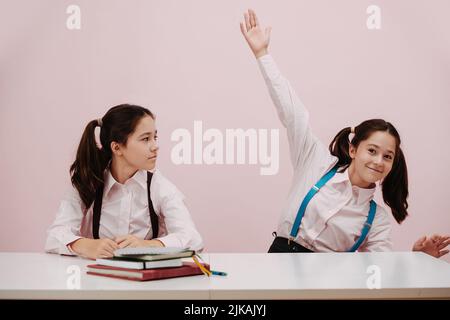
x=281 y=244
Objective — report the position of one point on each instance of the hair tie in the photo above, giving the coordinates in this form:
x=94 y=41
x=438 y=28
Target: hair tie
x=99 y=122
x=352 y=130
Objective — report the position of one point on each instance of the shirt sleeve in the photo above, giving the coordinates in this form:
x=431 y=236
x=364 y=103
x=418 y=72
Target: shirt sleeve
x=66 y=226
x=305 y=147
x=181 y=230
x=379 y=237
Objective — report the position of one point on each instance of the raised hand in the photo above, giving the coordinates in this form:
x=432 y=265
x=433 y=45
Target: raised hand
x=257 y=38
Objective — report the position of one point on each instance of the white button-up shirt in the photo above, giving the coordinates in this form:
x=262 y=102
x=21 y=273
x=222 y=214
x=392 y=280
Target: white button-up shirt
x=125 y=211
x=335 y=217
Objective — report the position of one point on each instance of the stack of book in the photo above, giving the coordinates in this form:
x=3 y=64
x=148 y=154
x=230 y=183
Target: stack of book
x=149 y=263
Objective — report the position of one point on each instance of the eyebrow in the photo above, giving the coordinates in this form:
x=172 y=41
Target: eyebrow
x=378 y=147
x=147 y=133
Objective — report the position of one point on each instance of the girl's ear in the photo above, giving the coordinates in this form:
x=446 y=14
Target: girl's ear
x=351 y=151
x=115 y=148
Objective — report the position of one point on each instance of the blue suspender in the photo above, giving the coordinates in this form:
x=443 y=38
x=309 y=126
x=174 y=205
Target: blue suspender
x=308 y=197
x=367 y=225
x=312 y=193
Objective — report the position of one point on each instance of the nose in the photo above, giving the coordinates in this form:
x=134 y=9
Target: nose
x=154 y=147
x=378 y=160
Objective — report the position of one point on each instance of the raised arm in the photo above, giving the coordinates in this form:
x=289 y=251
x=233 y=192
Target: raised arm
x=306 y=150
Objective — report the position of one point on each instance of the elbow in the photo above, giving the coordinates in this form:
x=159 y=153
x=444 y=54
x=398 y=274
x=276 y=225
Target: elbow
x=50 y=246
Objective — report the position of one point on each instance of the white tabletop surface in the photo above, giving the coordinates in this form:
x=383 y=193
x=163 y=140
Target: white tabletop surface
x=250 y=276
x=48 y=276
x=330 y=276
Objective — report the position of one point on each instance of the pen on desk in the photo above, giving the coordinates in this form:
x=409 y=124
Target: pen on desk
x=218 y=273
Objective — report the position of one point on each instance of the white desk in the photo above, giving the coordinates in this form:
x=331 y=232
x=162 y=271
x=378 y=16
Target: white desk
x=46 y=276
x=329 y=276
x=250 y=276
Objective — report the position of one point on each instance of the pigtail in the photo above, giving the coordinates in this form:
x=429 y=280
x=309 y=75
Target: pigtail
x=89 y=165
x=339 y=148
x=395 y=187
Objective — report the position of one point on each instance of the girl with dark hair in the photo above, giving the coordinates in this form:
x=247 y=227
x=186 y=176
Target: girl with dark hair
x=330 y=205
x=119 y=198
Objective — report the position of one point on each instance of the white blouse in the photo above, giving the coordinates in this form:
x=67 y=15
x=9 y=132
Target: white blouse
x=125 y=211
x=334 y=218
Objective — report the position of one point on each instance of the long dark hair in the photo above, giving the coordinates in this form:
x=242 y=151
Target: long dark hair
x=91 y=160
x=395 y=184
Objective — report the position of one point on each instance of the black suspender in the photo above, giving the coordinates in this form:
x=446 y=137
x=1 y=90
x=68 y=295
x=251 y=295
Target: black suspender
x=96 y=212
x=98 y=208
x=153 y=216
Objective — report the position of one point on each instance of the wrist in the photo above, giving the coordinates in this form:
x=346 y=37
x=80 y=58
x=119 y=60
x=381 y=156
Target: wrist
x=154 y=243
x=261 y=53
x=78 y=246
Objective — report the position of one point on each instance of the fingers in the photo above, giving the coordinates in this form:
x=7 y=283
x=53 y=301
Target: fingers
x=125 y=243
x=443 y=253
x=443 y=244
x=435 y=237
x=254 y=18
x=247 y=21
x=128 y=240
x=134 y=244
x=112 y=245
x=107 y=251
x=120 y=239
x=104 y=248
x=105 y=254
x=251 y=16
x=243 y=29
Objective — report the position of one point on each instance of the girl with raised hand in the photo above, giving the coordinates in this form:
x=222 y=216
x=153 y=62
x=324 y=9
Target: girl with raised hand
x=330 y=207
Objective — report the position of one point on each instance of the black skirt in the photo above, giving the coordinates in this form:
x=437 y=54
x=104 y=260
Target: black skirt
x=281 y=244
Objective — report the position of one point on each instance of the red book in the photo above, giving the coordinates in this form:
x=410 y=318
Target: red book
x=188 y=269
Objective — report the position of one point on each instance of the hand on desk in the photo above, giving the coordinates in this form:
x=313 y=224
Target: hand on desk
x=94 y=248
x=133 y=241
x=104 y=248
x=433 y=245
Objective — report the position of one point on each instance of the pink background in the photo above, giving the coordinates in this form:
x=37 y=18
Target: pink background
x=187 y=61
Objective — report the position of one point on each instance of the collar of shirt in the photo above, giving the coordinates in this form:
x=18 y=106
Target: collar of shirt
x=140 y=177
x=360 y=195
